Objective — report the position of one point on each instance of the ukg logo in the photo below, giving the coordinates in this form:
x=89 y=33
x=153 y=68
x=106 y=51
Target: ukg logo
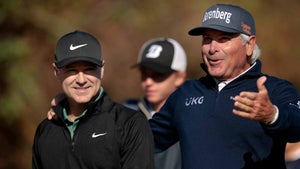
x=190 y=101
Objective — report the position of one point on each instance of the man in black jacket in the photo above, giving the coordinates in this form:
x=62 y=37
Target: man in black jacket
x=90 y=131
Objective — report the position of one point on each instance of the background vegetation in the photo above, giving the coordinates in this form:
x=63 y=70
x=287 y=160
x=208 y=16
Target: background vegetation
x=30 y=29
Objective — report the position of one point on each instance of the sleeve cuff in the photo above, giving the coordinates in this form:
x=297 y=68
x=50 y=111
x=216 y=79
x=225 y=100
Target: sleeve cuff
x=276 y=115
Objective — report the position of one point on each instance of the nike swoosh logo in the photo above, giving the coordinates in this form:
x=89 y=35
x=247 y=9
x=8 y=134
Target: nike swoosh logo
x=76 y=47
x=98 y=135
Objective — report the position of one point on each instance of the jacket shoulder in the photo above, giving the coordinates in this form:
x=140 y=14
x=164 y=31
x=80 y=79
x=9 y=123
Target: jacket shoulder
x=121 y=113
x=132 y=104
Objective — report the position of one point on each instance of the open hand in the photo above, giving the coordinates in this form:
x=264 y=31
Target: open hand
x=255 y=105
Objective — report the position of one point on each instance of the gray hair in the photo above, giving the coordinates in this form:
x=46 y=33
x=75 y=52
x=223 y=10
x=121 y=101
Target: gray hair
x=256 y=51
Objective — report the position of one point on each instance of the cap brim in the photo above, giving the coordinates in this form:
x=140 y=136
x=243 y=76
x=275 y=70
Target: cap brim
x=155 y=67
x=68 y=61
x=200 y=30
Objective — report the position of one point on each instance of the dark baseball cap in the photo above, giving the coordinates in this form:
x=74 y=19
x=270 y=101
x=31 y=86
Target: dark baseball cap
x=77 y=46
x=163 y=55
x=227 y=18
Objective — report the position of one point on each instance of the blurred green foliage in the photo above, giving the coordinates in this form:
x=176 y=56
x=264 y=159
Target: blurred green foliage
x=30 y=29
x=16 y=81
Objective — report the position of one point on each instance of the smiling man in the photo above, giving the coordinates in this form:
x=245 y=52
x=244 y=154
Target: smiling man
x=90 y=131
x=162 y=66
x=235 y=117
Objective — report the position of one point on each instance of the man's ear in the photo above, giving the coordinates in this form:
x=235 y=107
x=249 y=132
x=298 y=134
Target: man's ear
x=55 y=70
x=181 y=77
x=250 y=45
x=102 y=70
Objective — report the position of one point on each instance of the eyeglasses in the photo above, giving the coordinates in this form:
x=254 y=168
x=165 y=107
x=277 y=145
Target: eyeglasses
x=155 y=76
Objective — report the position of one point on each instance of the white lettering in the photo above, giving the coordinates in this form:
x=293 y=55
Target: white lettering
x=217 y=14
x=194 y=101
x=296 y=105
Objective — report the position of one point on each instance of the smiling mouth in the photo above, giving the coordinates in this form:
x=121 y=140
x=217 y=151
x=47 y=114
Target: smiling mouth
x=149 y=93
x=214 y=62
x=81 y=89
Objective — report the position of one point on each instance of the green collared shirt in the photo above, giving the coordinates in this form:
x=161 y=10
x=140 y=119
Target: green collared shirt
x=73 y=124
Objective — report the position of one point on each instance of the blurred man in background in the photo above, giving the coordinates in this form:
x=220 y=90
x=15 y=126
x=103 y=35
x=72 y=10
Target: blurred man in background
x=162 y=64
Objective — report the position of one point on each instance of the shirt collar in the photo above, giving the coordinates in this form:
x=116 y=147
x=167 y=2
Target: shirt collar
x=222 y=84
x=66 y=108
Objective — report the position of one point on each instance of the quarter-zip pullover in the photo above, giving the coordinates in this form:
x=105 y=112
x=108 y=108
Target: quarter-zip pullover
x=212 y=137
x=108 y=136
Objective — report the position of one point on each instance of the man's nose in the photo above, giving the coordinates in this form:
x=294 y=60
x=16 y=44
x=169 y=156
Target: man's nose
x=81 y=78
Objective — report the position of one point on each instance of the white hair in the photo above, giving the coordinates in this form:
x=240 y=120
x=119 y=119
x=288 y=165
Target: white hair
x=256 y=51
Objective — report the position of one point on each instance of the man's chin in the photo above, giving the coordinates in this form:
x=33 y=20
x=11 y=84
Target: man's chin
x=215 y=73
x=82 y=100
